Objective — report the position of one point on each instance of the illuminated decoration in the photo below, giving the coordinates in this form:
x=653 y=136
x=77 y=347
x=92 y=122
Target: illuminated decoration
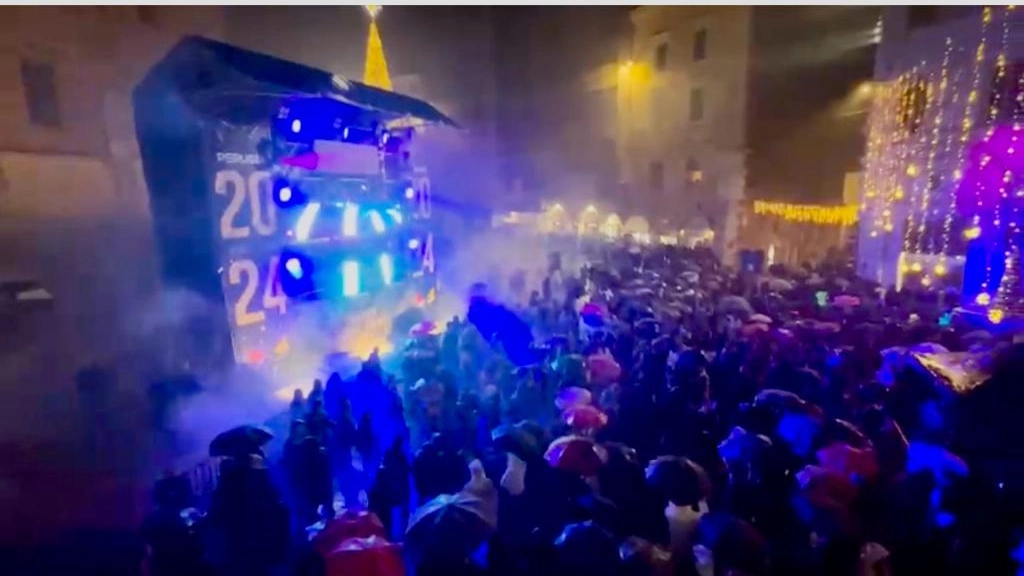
x=305 y=224
x=377 y=222
x=809 y=213
x=387 y=269
x=395 y=214
x=350 y=278
x=350 y=221
x=921 y=126
x=375 y=68
x=294 y=267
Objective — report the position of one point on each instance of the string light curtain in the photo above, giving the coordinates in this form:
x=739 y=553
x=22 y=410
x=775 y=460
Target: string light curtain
x=809 y=213
x=919 y=128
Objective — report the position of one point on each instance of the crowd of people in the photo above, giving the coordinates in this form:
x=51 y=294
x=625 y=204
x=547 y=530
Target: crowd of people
x=656 y=414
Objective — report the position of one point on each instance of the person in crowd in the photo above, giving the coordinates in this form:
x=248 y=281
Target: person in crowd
x=664 y=414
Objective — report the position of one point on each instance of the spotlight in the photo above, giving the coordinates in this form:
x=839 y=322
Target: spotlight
x=296 y=275
x=410 y=193
x=294 y=267
x=414 y=244
x=286 y=195
x=296 y=126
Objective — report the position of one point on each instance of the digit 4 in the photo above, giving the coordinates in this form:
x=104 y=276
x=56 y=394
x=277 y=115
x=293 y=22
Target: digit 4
x=273 y=296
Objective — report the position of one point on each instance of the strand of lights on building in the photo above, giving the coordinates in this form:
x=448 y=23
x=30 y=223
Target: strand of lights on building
x=809 y=213
x=895 y=165
x=993 y=112
x=932 y=180
x=970 y=110
x=1008 y=296
x=910 y=108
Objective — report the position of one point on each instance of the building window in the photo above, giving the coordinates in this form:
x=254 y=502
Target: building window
x=700 y=45
x=696 y=104
x=694 y=174
x=656 y=176
x=661 y=56
x=40 y=85
x=146 y=15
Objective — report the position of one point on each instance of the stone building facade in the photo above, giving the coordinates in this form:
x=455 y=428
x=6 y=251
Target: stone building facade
x=74 y=210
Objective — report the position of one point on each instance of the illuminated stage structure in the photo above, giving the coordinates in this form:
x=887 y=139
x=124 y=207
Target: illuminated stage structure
x=275 y=187
x=942 y=179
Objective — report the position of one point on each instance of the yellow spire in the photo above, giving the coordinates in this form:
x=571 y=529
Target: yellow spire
x=375 y=69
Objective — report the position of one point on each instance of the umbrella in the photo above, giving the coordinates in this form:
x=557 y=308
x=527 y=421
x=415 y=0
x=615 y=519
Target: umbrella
x=240 y=441
x=516 y=439
x=571 y=368
x=642 y=557
x=583 y=419
x=576 y=454
x=587 y=548
x=846 y=301
x=776 y=397
x=423 y=329
x=603 y=368
x=824 y=488
x=752 y=328
x=843 y=431
x=730 y=304
x=742 y=446
x=350 y=524
x=572 y=396
x=730 y=545
x=453 y=526
x=851 y=462
x=679 y=480
x=373 y=556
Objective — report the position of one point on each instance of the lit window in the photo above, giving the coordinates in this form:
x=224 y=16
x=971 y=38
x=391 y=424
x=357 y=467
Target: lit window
x=661 y=56
x=696 y=104
x=700 y=45
x=39 y=82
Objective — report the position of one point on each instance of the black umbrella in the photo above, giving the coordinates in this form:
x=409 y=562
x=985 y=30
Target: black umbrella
x=679 y=480
x=240 y=441
x=517 y=439
x=453 y=526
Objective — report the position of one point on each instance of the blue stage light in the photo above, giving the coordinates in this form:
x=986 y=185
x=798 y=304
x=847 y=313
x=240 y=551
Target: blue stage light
x=410 y=193
x=294 y=267
x=286 y=194
x=296 y=274
x=296 y=126
x=414 y=244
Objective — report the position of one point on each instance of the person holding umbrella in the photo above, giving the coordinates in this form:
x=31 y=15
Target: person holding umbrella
x=249 y=524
